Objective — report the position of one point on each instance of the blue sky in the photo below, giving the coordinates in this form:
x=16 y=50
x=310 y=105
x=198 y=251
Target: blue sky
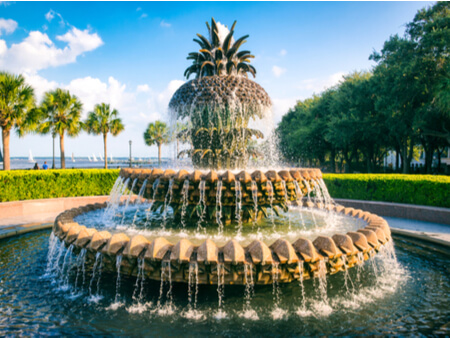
x=133 y=54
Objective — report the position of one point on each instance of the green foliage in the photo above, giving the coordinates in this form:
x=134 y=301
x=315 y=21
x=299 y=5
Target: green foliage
x=157 y=133
x=17 y=110
x=403 y=103
x=217 y=57
x=61 y=113
x=30 y=184
x=417 y=189
x=103 y=121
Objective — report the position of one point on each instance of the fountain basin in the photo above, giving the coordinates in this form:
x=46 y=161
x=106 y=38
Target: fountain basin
x=256 y=191
x=280 y=261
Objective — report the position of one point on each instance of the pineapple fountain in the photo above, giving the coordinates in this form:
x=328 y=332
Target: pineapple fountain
x=220 y=223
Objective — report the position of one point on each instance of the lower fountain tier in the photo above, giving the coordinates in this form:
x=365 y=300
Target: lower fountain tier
x=217 y=197
x=281 y=261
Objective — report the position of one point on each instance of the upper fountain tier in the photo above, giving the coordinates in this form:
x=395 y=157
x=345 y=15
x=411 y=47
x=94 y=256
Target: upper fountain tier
x=220 y=102
x=218 y=109
x=233 y=92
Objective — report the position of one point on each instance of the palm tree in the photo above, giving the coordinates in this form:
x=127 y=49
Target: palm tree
x=16 y=110
x=219 y=54
x=103 y=121
x=61 y=114
x=181 y=134
x=157 y=133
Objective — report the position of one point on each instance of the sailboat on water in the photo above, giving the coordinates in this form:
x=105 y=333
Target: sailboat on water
x=89 y=158
x=94 y=159
x=100 y=156
x=30 y=158
x=73 y=158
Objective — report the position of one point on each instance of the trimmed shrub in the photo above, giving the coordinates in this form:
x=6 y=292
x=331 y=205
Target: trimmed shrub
x=411 y=189
x=20 y=185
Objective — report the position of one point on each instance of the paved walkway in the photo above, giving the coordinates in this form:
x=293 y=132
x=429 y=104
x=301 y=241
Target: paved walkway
x=22 y=220
x=12 y=226
x=433 y=232
x=19 y=217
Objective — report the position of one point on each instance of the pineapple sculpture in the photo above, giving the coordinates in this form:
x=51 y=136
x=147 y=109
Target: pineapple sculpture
x=218 y=106
x=220 y=101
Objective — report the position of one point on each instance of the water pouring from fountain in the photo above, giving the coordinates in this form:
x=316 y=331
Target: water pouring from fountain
x=220 y=223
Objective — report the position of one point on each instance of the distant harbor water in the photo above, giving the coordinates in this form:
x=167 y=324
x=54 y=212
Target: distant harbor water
x=83 y=162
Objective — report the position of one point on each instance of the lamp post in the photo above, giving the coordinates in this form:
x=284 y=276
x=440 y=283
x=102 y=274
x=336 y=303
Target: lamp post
x=53 y=165
x=130 y=153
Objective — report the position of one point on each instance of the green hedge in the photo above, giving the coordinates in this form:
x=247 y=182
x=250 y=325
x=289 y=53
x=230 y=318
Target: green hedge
x=35 y=184
x=411 y=189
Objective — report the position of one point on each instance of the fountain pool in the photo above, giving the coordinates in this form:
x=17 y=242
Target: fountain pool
x=407 y=296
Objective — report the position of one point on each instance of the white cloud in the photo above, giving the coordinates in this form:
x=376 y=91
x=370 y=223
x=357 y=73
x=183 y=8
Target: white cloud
x=92 y=91
x=143 y=88
x=318 y=85
x=144 y=15
x=157 y=102
x=39 y=84
x=281 y=106
x=283 y=52
x=81 y=41
x=3 y=47
x=278 y=71
x=138 y=9
x=50 y=15
x=38 y=52
x=141 y=106
x=7 y=26
x=165 y=24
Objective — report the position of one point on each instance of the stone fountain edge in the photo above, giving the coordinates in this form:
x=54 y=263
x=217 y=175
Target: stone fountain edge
x=281 y=260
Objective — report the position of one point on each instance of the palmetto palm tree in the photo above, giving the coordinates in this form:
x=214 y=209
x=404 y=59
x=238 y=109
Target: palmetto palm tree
x=157 y=133
x=219 y=55
x=16 y=110
x=103 y=121
x=61 y=114
x=181 y=134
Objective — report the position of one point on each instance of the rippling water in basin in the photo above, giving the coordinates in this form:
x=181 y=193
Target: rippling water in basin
x=298 y=222
x=410 y=297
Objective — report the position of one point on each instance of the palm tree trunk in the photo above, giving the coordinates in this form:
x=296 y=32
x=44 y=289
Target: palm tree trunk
x=105 y=150
x=159 y=154
x=61 y=147
x=5 y=140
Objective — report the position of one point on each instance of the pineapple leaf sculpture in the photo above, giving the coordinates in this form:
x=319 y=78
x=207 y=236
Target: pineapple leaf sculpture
x=220 y=101
x=220 y=54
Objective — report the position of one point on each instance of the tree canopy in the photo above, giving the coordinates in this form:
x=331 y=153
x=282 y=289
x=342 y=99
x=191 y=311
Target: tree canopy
x=104 y=121
x=61 y=114
x=157 y=133
x=17 y=110
x=403 y=103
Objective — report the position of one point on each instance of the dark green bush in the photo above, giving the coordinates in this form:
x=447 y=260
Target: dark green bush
x=411 y=189
x=29 y=184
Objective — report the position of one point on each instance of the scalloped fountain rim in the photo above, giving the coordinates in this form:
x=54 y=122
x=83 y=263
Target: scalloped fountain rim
x=282 y=260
